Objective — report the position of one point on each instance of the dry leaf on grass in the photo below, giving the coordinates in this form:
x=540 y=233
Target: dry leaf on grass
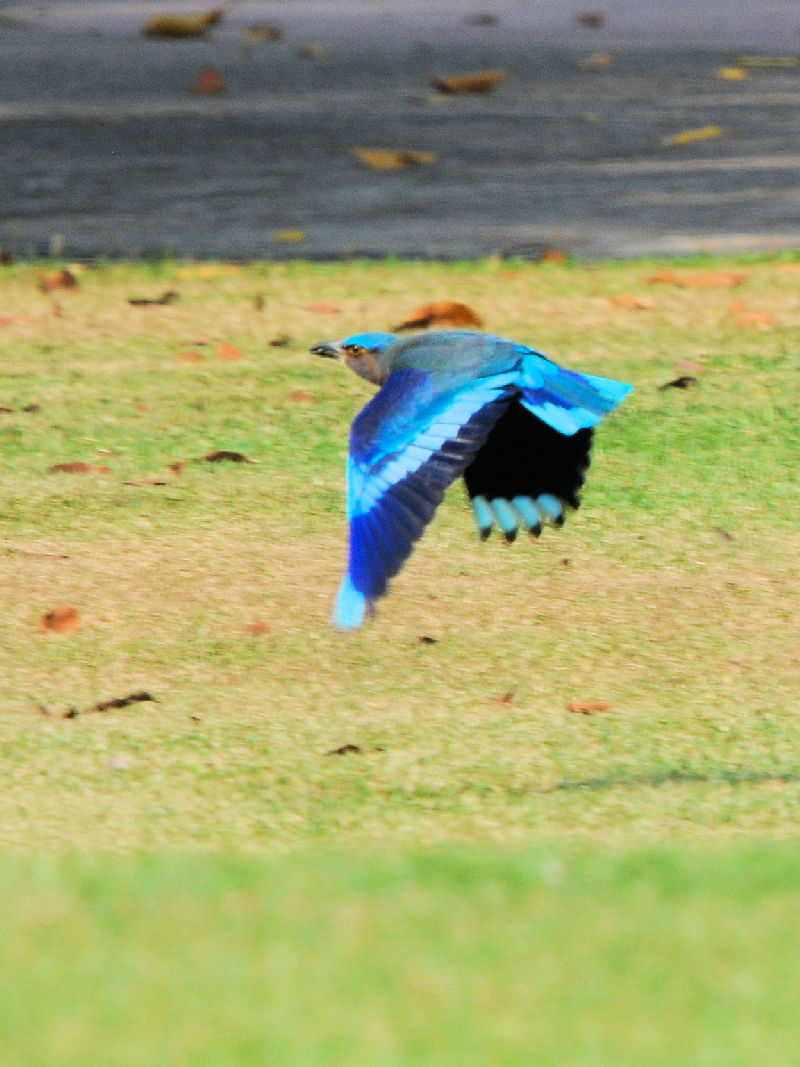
x=177 y=26
x=58 y=279
x=228 y=352
x=479 y=81
x=169 y=296
x=209 y=82
x=630 y=302
x=78 y=467
x=61 y=620
x=552 y=255
x=684 y=382
x=257 y=628
x=393 y=159
x=749 y=318
x=504 y=698
x=587 y=707
x=280 y=342
x=700 y=133
x=729 y=279
x=450 y=312
x=302 y=397
x=321 y=308
x=224 y=456
x=189 y=355
x=343 y=750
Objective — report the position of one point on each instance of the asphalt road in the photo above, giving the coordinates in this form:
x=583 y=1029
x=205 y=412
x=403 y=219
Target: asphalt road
x=104 y=151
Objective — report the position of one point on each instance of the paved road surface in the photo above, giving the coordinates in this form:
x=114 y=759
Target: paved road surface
x=104 y=151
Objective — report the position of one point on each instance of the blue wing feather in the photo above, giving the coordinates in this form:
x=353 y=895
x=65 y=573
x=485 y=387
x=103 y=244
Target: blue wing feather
x=564 y=399
x=406 y=446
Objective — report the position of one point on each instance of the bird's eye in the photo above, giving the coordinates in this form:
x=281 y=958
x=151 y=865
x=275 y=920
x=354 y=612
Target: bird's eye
x=354 y=350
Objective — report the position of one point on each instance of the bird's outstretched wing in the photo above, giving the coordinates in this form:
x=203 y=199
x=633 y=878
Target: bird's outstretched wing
x=564 y=399
x=406 y=446
x=526 y=474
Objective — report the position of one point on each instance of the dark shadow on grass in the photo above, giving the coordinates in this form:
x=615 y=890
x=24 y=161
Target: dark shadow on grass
x=675 y=777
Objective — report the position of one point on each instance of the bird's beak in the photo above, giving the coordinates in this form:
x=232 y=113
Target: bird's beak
x=330 y=349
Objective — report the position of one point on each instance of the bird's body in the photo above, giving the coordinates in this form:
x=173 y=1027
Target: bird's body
x=452 y=403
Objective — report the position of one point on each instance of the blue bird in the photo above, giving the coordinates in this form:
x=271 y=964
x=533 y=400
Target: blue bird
x=452 y=402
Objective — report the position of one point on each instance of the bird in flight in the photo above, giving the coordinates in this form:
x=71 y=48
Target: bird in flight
x=457 y=402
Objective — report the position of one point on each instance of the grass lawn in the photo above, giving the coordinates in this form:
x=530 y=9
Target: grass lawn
x=488 y=877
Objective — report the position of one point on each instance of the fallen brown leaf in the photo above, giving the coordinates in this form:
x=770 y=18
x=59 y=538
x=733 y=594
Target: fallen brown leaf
x=480 y=81
x=343 y=750
x=169 y=296
x=257 y=628
x=684 y=382
x=209 y=82
x=748 y=318
x=701 y=280
x=504 y=698
x=181 y=25
x=317 y=50
x=587 y=707
x=302 y=397
x=392 y=159
x=223 y=456
x=592 y=19
x=630 y=302
x=599 y=61
x=280 y=342
x=552 y=255
x=78 y=467
x=441 y=311
x=723 y=534
x=61 y=620
x=189 y=355
x=701 y=133
x=58 y=279
x=228 y=352
x=321 y=308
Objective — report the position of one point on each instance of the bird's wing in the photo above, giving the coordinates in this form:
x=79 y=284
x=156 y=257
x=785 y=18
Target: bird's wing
x=526 y=474
x=406 y=446
x=564 y=399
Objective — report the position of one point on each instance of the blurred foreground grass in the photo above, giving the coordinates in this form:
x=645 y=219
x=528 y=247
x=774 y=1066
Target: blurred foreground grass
x=672 y=596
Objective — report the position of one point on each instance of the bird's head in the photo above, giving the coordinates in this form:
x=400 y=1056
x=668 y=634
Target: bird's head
x=361 y=353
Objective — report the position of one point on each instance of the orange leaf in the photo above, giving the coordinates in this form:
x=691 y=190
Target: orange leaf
x=702 y=280
x=441 y=311
x=61 y=620
x=190 y=356
x=255 y=629
x=77 y=467
x=58 y=279
x=303 y=397
x=393 y=159
x=209 y=82
x=630 y=302
x=552 y=255
x=226 y=351
x=587 y=707
x=480 y=81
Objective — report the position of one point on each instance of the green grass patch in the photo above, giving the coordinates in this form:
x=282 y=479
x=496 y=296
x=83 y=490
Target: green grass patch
x=484 y=876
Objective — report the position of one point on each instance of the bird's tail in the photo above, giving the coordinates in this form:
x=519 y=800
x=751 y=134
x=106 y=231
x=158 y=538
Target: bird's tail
x=564 y=399
x=351 y=606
